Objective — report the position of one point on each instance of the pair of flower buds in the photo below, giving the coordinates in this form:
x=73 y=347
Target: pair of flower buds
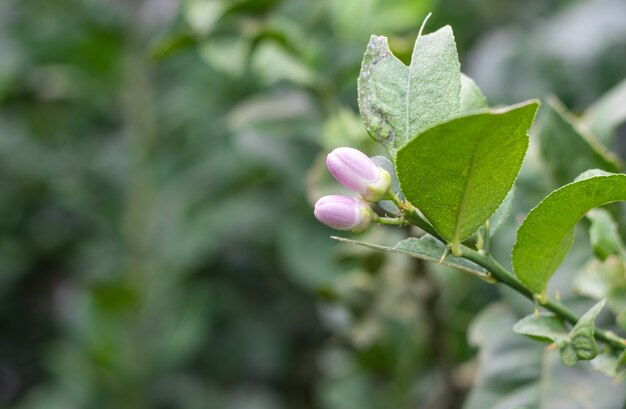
x=356 y=171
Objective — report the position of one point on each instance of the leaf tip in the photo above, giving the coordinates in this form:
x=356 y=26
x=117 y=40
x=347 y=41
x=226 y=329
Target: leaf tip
x=419 y=34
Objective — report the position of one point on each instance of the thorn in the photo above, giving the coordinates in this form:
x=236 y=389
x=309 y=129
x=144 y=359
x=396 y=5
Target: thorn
x=444 y=255
x=536 y=312
x=557 y=295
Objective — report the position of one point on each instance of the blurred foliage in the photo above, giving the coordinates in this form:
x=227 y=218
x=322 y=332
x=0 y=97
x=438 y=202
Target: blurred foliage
x=157 y=164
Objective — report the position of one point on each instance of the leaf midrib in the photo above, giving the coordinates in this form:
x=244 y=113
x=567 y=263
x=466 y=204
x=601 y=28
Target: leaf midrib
x=461 y=209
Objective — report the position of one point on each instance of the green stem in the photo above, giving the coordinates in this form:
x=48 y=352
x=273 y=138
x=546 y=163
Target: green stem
x=391 y=221
x=411 y=214
x=507 y=278
x=504 y=276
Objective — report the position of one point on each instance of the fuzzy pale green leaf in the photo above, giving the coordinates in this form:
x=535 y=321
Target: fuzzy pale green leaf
x=425 y=248
x=545 y=236
x=398 y=102
x=459 y=172
x=472 y=98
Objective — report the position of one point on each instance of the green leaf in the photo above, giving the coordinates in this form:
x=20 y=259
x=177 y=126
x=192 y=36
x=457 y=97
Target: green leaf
x=472 y=98
x=548 y=328
x=399 y=102
x=567 y=150
x=426 y=248
x=569 y=357
x=604 y=117
x=603 y=234
x=459 y=172
x=545 y=236
x=582 y=334
x=515 y=372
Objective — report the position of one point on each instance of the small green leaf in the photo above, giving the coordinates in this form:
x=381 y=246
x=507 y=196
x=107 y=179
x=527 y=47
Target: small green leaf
x=603 y=234
x=582 y=334
x=472 y=98
x=545 y=236
x=548 y=328
x=399 y=102
x=515 y=372
x=567 y=150
x=459 y=172
x=603 y=118
x=568 y=354
x=426 y=248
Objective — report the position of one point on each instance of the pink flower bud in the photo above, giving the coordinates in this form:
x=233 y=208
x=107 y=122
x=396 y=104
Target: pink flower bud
x=344 y=213
x=356 y=171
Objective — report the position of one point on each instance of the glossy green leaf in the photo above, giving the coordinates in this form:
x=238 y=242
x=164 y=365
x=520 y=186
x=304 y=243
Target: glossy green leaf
x=603 y=234
x=399 y=102
x=459 y=172
x=425 y=248
x=603 y=117
x=472 y=98
x=567 y=150
x=545 y=236
x=582 y=334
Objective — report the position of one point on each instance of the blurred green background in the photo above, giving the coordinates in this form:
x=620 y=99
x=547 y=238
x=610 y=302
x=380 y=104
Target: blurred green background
x=158 y=161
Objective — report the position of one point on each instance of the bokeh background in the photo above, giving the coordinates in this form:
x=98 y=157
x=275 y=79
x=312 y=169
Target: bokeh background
x=158 y=161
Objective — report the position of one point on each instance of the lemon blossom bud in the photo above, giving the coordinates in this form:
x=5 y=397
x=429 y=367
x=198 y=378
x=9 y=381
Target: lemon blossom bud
x=356 y=171
x=344 y=213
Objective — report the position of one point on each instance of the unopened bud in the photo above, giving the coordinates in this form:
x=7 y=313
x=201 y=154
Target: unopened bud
x=344 y=213
x=356 y=171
